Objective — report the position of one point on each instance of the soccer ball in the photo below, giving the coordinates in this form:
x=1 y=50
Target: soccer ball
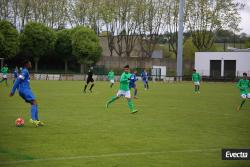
x=19 y=122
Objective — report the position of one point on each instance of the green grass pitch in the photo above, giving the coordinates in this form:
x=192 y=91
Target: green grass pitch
x=174 y=127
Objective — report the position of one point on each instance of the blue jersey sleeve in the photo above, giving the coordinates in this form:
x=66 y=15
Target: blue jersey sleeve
x=133 y=78
x=15 y=86
x=20 y=79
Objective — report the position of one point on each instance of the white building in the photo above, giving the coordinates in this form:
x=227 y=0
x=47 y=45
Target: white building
x=222 y=63
x=159 y=72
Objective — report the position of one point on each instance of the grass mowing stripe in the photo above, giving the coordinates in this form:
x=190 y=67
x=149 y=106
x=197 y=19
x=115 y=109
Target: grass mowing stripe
x=108 y=155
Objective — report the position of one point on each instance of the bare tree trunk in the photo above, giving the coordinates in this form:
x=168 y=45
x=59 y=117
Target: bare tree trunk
x=36 y=64
x=82 y=68
x=66 y=66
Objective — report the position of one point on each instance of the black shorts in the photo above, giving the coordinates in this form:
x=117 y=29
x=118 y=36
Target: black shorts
x=90 y=80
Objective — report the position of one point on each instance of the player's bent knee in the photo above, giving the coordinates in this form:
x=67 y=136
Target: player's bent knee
x=34 y=102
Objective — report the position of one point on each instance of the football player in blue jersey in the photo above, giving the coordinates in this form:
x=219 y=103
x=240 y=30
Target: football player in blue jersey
x=23 y=85
x=144 y=76
x=132 y=84
x=15 y=75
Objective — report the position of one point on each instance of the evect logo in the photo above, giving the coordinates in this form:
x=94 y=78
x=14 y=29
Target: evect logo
x=235 y=154
x=230 y=154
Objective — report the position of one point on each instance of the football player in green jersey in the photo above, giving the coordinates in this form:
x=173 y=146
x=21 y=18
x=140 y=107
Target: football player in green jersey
x=243 y=85
x=196 y=79
x=124 y=90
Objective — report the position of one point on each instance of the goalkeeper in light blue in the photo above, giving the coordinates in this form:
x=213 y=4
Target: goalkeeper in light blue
x=22 y=83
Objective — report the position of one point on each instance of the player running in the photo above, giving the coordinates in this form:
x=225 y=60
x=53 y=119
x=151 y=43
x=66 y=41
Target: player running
x=196 y=79
x=5 y=70
x=144 y=76
x=243 y=85
x=23 y=85
x=132 y=84
x=111 y=76
x=89 y=79
x=124 y=90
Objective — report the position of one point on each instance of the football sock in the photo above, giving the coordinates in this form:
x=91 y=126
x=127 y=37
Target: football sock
x=242 y=103
x=85 y=88
x=131 y=105
x=36 y=112
x=91 y=87
x=135 y=93
x=33 y=112
x=112 y=99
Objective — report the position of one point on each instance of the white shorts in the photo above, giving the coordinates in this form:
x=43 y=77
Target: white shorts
x=197 y=83
x=244 y=96
x=123 y=93
x=112 y=81
x=4 y=76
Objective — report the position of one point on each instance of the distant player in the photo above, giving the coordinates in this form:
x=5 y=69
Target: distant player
x=23 y=85
x=89 y=79
x=4 y=71
x=144 y=76
x=15 y=75
x=124 y=90
x=132 y=84
x=196 y=79
x=243 y=85
x=111 y=77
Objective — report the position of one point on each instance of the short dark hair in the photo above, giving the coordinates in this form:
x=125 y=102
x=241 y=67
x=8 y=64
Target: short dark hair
x=244 y=74
x=126 y=66
x=194 y=69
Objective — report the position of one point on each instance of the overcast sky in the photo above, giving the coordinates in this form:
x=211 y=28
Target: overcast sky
x=245 y=21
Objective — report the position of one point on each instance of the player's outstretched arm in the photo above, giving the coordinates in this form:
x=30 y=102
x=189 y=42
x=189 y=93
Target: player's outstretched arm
x=13 y=90
x=238 y=84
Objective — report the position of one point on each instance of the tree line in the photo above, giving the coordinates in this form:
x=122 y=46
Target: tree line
x=37 y=40
x=122 y=22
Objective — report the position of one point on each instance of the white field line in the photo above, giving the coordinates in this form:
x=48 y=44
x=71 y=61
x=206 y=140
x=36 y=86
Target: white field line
x=107 y=155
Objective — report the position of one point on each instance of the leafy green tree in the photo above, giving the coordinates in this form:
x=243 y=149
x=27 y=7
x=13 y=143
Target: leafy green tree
x=1 y=42
x=9 y=40
x=204 y=18
x=86 y=46
x=189 y=50
x=37 y=40
x=247 y=43
x=63 y=46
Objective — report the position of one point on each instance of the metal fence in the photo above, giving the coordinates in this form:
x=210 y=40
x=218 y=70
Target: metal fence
x=154 y=78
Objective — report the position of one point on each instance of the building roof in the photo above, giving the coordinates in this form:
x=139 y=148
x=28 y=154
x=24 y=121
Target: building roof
x=157 y=54
x=238 y=50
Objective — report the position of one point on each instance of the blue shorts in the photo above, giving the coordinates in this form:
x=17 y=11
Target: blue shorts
x=132 y=85
x=145 y=81
x=27 y=95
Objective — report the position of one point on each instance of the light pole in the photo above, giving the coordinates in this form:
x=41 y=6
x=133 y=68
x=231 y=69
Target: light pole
x=180 y=41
